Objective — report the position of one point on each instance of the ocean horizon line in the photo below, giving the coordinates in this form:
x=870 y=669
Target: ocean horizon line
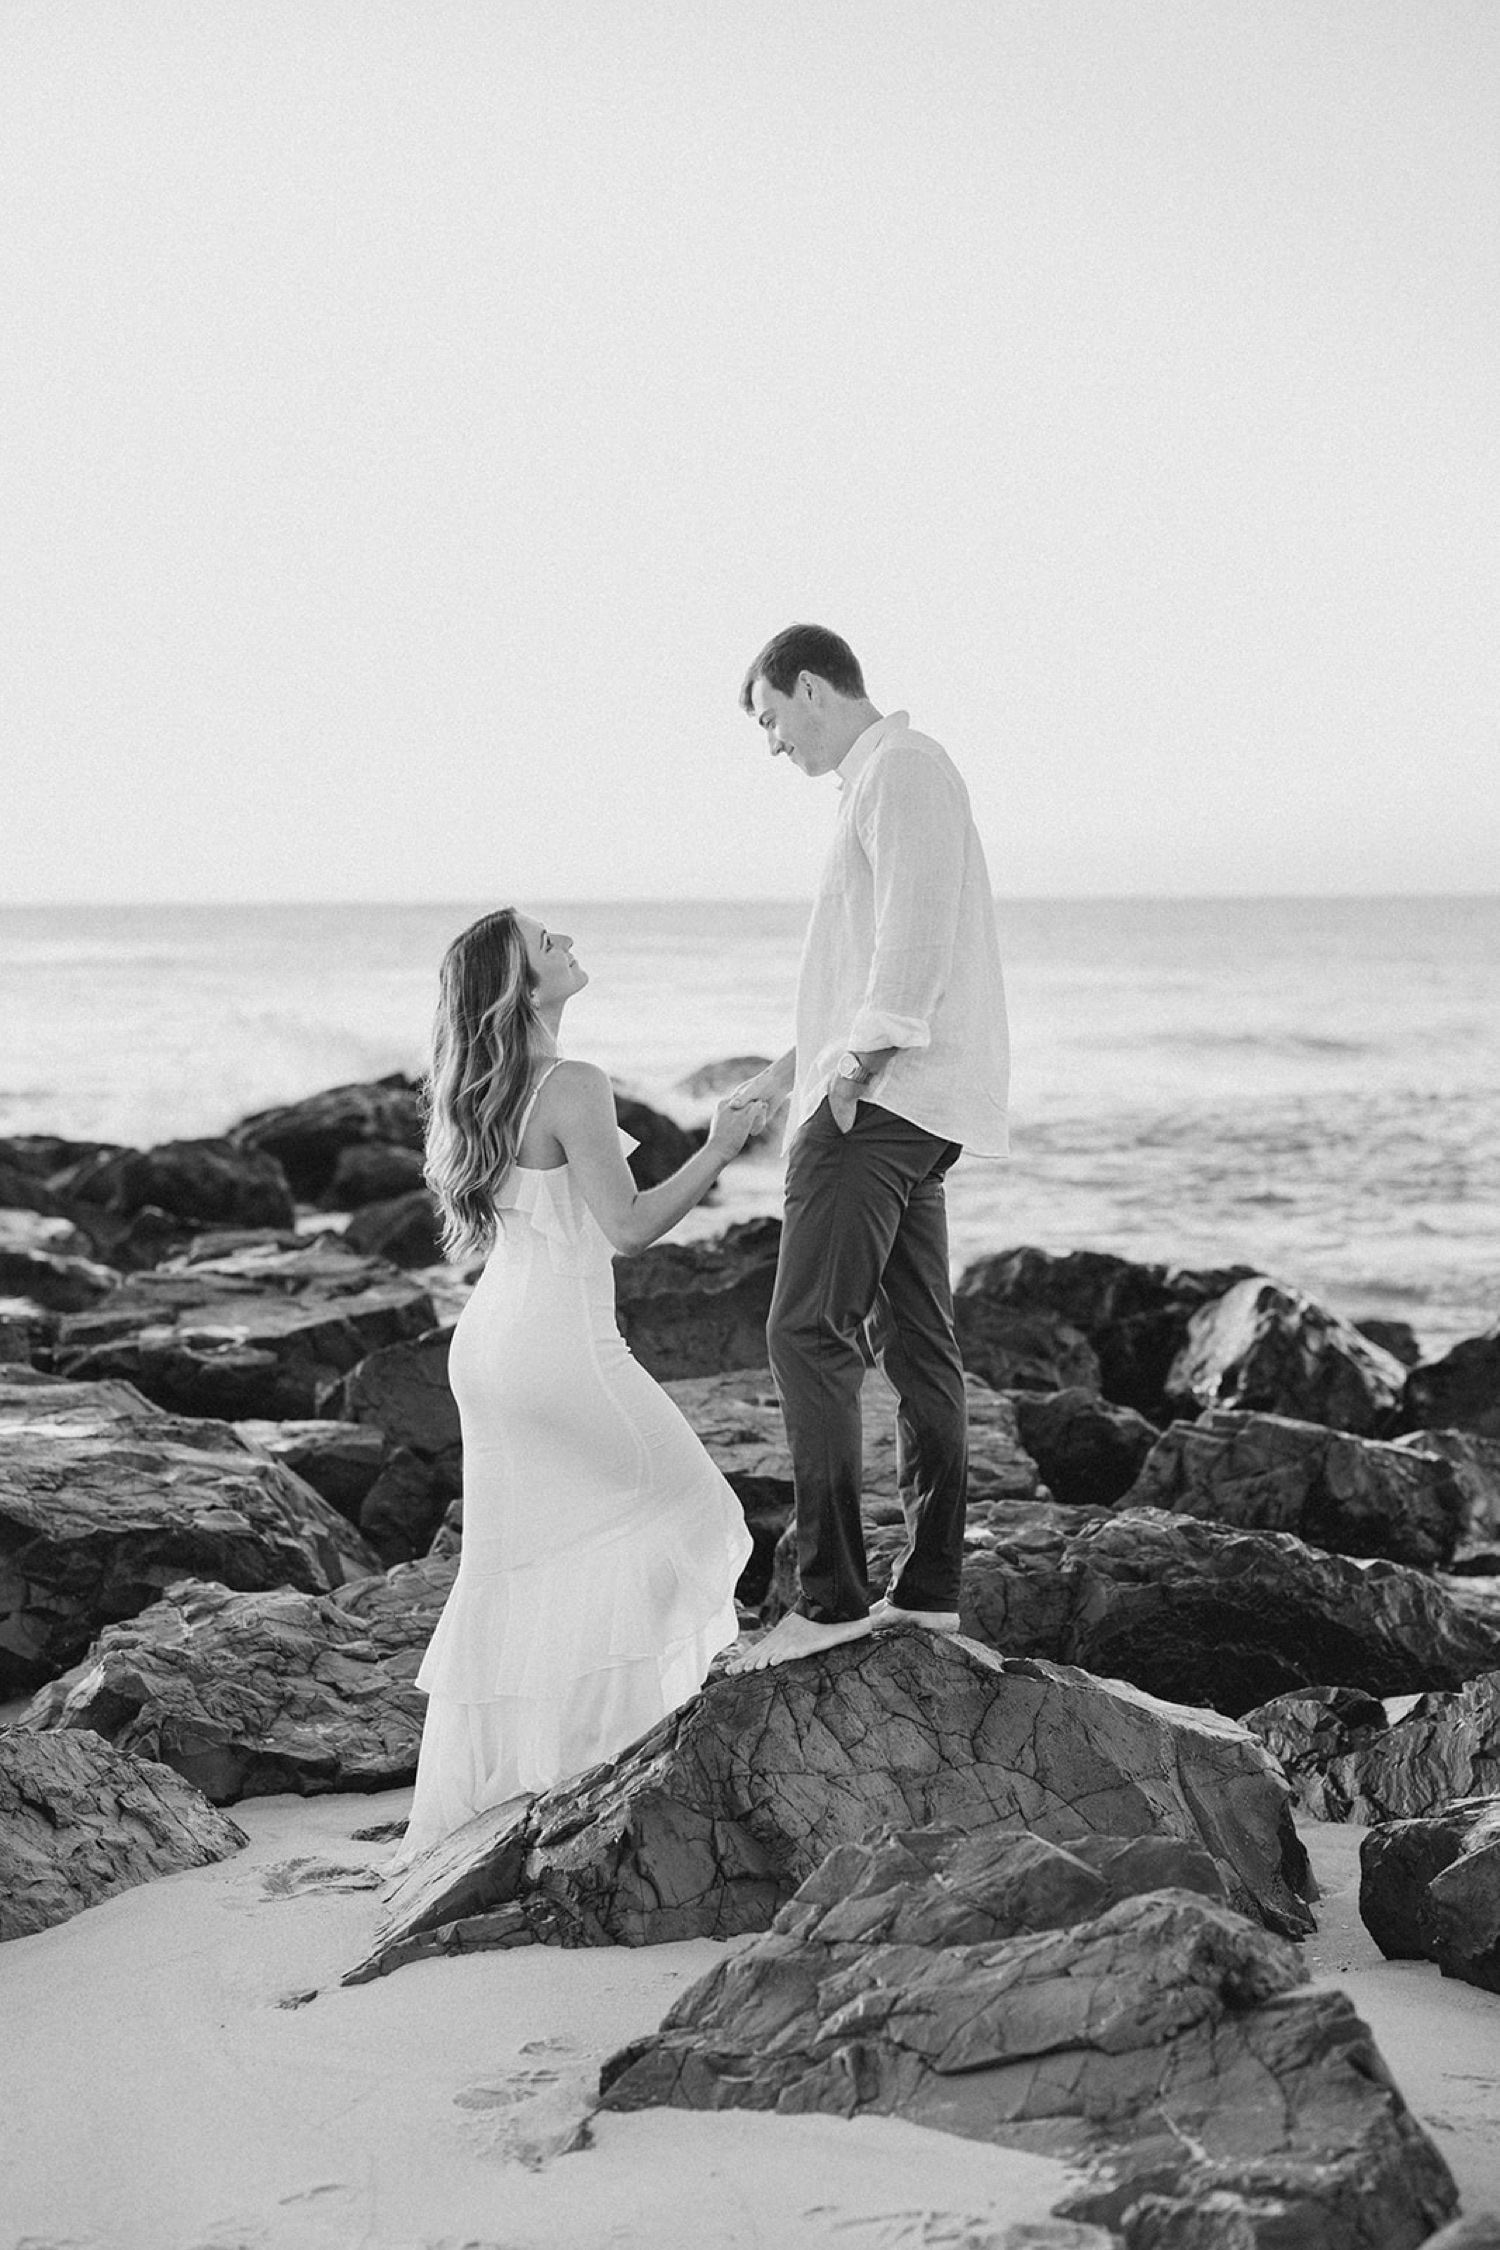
x=745 y=898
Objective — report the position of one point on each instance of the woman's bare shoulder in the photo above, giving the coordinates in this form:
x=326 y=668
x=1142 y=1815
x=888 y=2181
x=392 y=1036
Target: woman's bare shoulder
x=579 y=1088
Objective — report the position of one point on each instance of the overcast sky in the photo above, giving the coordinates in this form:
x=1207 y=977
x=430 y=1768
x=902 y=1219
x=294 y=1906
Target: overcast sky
x=415 y=416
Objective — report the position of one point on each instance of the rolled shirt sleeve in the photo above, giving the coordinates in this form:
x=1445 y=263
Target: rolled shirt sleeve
x=912 y=822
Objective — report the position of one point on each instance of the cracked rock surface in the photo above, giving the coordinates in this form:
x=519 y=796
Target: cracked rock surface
x=79 y=1822
x=705 y=1826
x=1160 y=2042
x=1267 y=1472
x=105 y=1501
x=1429 y=1889
x=247 y=1695
x=1345 y=1763
x=258 y=1334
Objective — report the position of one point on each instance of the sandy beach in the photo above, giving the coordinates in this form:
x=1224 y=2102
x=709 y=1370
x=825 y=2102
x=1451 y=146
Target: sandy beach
x=182 y=2071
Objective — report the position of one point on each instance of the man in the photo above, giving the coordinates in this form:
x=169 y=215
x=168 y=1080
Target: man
x=900 y=1061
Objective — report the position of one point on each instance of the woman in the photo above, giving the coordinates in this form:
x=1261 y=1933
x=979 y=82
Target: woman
x=600 y=1546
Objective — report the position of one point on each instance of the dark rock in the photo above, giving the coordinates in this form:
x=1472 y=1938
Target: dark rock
x=1460 y=1391
x=402 y=1390
x=1475 y=1462
x=662 y=1146
x=1270 y=1350
x=137 y=1243
x=213 y=1182
x=1397 y=1337
x=1160 y=2045
x=259 y=1334
x=252 y=1694
x=1134 y=1316
x=1088 y=1450
x=1019 y=1351
x=55 y=1284
x=1266 y=1472
x=1430 y=1889
x=46 y=1155
x=1308 y=1731
x=407 y=1230
x=340 y=1460
x=1397 y=1861
x=710 y=1822
x=103 y=1505
x=404 y=1507
x=700 y=1308
x=1200 y=1613
x=1446 y=1746
x=21 y=1189
x=307 y=1138
x=373 y=1172
x=79 y=1822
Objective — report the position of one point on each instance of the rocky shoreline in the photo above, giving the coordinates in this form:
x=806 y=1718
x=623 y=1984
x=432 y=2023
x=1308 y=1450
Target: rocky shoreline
x=1039 y=1886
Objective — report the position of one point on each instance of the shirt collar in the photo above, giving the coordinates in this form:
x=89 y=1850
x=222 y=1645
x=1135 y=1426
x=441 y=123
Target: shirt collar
x=864 y=746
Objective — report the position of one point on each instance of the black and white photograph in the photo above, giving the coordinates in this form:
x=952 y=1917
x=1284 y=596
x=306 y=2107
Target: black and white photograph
x=750 y=1125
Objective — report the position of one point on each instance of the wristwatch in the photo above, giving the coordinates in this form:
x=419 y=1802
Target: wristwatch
x=849 y=1066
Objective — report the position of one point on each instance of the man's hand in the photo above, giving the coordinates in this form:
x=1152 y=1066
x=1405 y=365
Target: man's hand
x=846 y=1094
x=843 y=1101
x=771 y=1085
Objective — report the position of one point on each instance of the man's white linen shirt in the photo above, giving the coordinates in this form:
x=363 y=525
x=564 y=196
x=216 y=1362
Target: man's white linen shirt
x=902 y=950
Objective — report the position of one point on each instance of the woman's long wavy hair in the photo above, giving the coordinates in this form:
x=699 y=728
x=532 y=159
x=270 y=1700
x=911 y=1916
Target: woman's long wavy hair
x=485 y=1041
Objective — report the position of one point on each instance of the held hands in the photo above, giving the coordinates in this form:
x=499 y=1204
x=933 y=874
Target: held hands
x=736 y=1120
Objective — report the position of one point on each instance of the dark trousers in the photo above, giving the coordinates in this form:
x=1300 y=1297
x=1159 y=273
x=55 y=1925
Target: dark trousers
x=865 y=1240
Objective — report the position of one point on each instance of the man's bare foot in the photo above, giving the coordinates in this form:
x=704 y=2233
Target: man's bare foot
x=797 y=1636
x=885 y=1614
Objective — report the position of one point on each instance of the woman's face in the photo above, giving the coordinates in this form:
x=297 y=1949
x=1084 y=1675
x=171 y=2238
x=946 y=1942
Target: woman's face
x=555 y=972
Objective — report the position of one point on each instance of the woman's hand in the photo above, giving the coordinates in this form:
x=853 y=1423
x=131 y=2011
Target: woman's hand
x=735 y=1122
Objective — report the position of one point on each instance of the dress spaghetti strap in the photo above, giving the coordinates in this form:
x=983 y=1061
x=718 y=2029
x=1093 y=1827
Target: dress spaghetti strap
x=531 y=1099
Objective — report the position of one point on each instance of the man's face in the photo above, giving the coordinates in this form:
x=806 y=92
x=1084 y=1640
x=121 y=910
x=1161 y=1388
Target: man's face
x=794 y=725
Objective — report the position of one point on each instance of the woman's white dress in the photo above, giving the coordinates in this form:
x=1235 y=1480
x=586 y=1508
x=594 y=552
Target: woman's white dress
x=600 y=1544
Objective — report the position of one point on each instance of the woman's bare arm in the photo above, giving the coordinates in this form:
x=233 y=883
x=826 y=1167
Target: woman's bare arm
x=577 y=1104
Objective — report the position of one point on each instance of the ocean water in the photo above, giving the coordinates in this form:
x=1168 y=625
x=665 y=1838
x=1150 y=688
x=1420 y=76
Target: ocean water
x=1311 y=1086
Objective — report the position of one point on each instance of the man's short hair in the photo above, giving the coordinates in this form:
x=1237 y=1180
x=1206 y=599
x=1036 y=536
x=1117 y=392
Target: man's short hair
x=804 y=648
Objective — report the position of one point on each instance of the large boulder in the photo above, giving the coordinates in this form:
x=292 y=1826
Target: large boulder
x=373 y=1172
x=307 y=1138
x=79 y=1822
x=700 y=1308
x=1156 y=2040
x=1134 y=1317
x=1271 y=1350
x=103 y=1504
x=1429 y=1889
x=1349 y=1764
x=51 y=1281
x=1022 y=1351
x=402 y=1390
x=1266 y=1472
x=340 y=1460
x=260 y=1333
x=1459 y=1391
x=707 y=1825
x=208 y=1182
x=1089 y=1451
x=406 y=1230
x=1192 y=1611
x=1475 y=1462
x=254 y=1694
